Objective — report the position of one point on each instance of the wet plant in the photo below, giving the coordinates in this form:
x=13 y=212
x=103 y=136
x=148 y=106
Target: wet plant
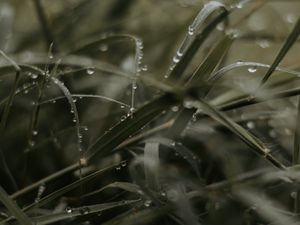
x=122 y=113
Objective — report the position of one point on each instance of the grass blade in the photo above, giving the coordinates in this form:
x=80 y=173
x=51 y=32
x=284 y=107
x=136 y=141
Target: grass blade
x=292 y=38
x=252 y=141
x=13 y=208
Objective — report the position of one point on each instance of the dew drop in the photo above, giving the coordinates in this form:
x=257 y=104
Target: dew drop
x=175 y=108
x=147 y=203
x=176 y=59
x=251 y=125
x=124 y=164
x=123 y=118
x=35 y=132
x=252 y=69
x=90 y=71
x=291 y=18
x=74 y=120
x=263 y=43
x=69 y=210
x=103 y=48
x=145 y=68
x=84 y=211
x=118 y=167
x=122 y=106
x=191 y=30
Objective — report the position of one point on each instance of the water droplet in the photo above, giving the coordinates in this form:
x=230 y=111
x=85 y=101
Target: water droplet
x=122 y=106
x=86 y=128
x=90 y=71
x=145 y=68
x=175 y=108
x=118 y=167
x=263 y=43
x=291 y=18
x=123 y=164
x=84 y=211
x=26 y=91
x=250 y=125
x=103 y=47
x=287 y=131
x=31 y=143
x=293 y=194
x=69 y=210
x=74 y=120
x=239 y=5
x=166 y=76
x=53 y=101
x=176 y=59
x=123 y=117
x=220 y=27
x=252 y=69
x=191 y=30
x=147 y=203
x=272 y=133
x=35 y=132
x=163 y=194
x=74 y=100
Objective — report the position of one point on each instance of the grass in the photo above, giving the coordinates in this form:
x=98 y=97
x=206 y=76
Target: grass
x=147 y=112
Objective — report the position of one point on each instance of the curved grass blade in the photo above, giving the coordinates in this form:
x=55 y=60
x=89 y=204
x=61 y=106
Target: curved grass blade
x=130 y=187
x=270 y=212
x=253 y=142
x=296 y=155
x=67 y=188
x=195 y=37
x=184 y=152
x=5 y=114
x=81 y=211
x=151 y=165
x=14 y=209
x=87 y=96
x=292 y=38
x=203 y=72
x=130 y=125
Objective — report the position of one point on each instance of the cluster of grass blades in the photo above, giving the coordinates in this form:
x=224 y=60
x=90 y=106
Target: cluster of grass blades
x=90 y=135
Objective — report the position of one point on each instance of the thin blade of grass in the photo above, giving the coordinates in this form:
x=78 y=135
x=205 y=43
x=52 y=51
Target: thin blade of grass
x=253 y=142
x=67 y=188
x=14 y=209
x=151 y=165
x=292 y=38
x=130 y=125
x=195 y=37
x=203 y=72
x=269 y=212
x=81 y=211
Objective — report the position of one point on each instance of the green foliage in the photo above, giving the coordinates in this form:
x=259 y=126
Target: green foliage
x=149 y=112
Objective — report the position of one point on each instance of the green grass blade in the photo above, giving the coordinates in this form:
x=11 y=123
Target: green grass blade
x=151 y=165
x=67 y=188
x=14 y=209
x=81 y=211
x=264 y=207
x=292 y=38
x=253 y=142
x=130 y=125
x=203 y=72
x=195 y=37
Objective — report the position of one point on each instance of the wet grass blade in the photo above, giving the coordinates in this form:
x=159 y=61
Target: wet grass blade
x=130 y=125
x=203 y=72
x=296 y=155
x=81 y=211
x=67 y=188
x=292 y=38
x=270 y=212
x=151 y=165
x=13 y=208
x=195 y=38
x=253 y=142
